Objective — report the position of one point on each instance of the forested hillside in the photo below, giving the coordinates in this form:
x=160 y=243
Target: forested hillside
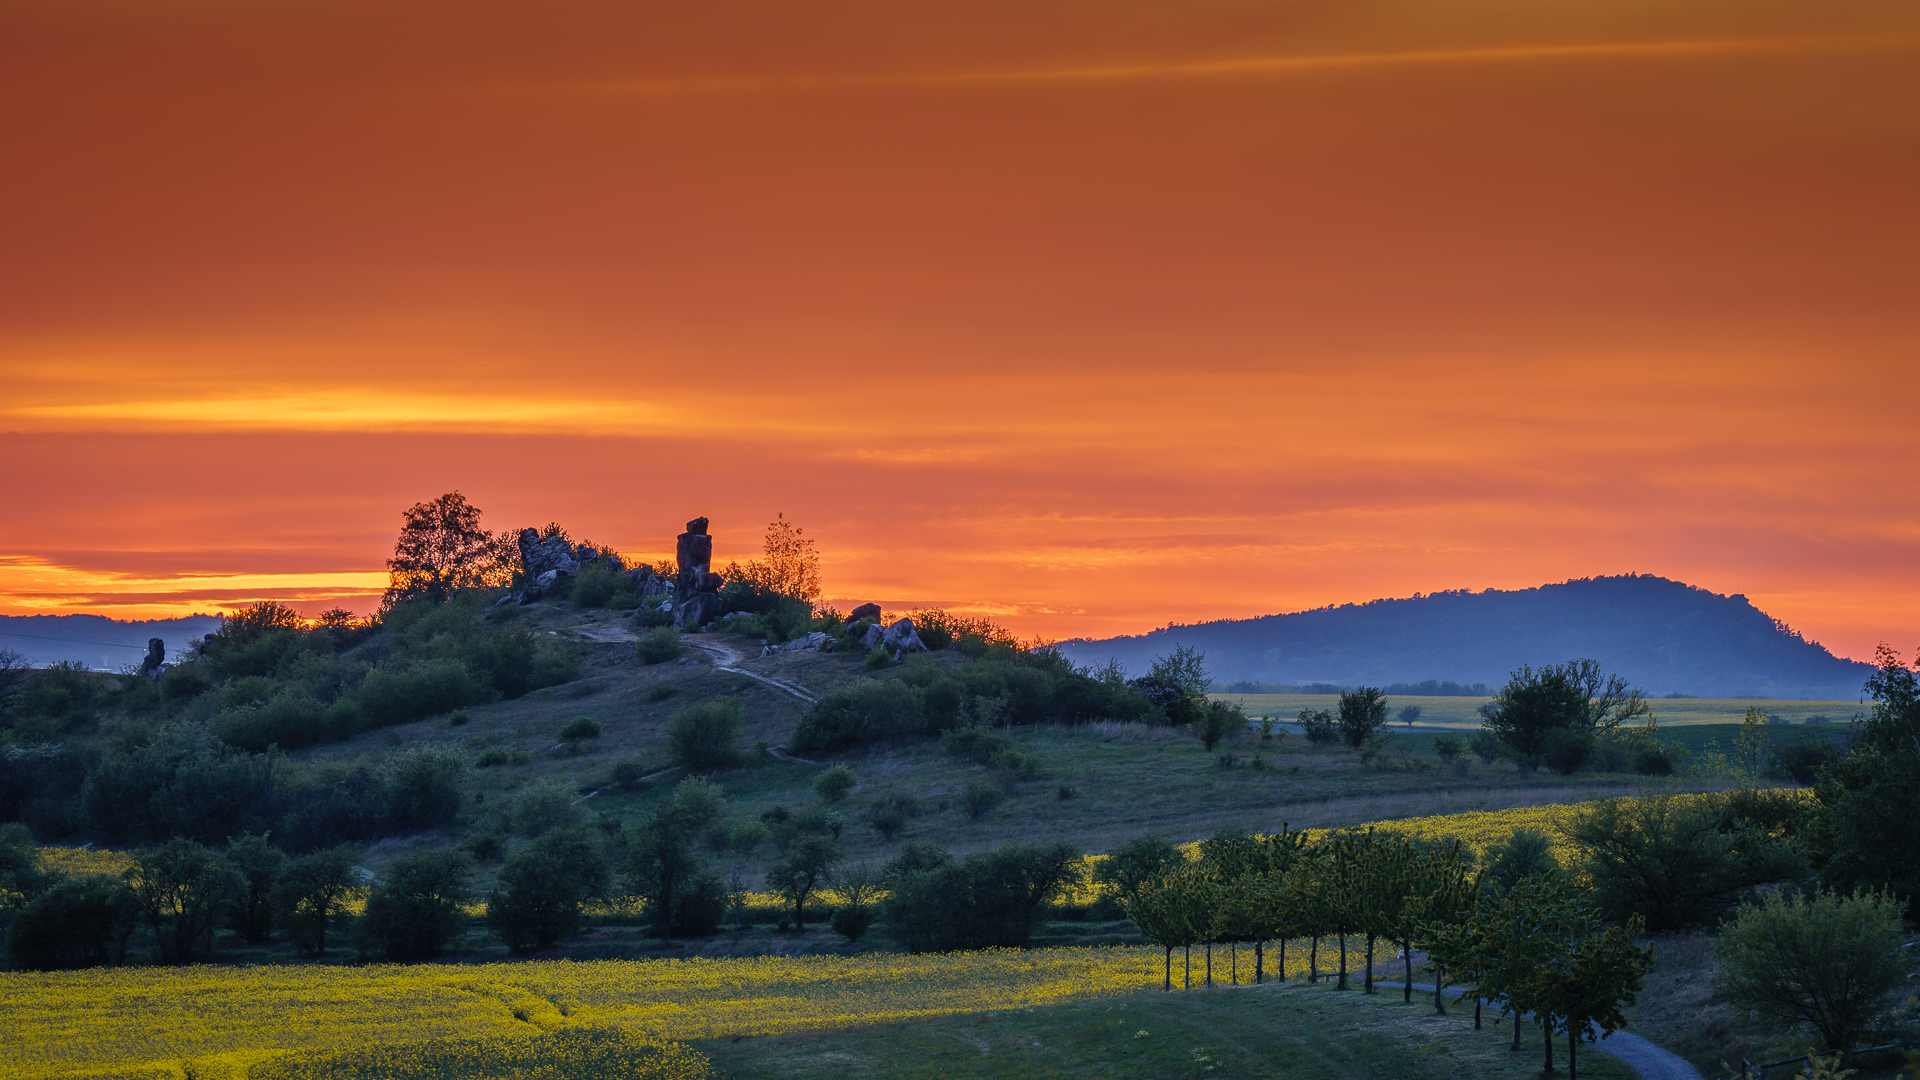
x=1665 y=635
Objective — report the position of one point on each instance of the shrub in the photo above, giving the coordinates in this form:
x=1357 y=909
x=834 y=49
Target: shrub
x=415 y=910
x=458 y=718
x=975 y=744
x=876 y=659
x=1319 y=726
x=418 y=689
x=1486 y=746
x=1524 y=853
x=887 y=817
x=834 y=784
x=1361 y=713
x=492 y=757
x=596 y=585
x=650 y=616
x=1219 y=720
x=1650 y=757
x=545 y=806
x=979 y=799
x=75 y=924
x=1801 y=759
x=1830 y=961
x=706 y=736
x=1676 y=861
x=1565 y=749
x=659 y=645
x=988 y=900
x=662 y=693
x=541 y=889
x=1448 y=747
x=425 y=787
x=580 y=727
x=872 y=710
x=852 y=923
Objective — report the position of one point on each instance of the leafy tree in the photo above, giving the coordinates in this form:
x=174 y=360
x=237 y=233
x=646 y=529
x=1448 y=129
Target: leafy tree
x=77 y=923
x=661 y=860
x=538 y=895
x=1676 y=861
x=259 y=865
x=544 y=806
x=1320 y=726
x=1524 y=853
x=1218 y=719
x=1131 y=864
x=21 y=876
x=1587 y=972
x=706 y=736
x=1863 y=835
x=1552 y=715
x=415 y=910
x=425 y=786
x=1168 y=911
x=181 y=889
x=310 y=891
x=808 y=863
x=441 y=550
x=1440 y=896
x=834 y=784
x=1361 y=713
x=1827 y=960
x=788 y=565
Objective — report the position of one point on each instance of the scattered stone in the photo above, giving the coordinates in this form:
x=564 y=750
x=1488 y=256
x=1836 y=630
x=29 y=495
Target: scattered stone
x=871 y=639
x=901 y=638
x=817 y=641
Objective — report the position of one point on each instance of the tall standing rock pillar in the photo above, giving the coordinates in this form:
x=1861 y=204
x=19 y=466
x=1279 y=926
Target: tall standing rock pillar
x=696 y=592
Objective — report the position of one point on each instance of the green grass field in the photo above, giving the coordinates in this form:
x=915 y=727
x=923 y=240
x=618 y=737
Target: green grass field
x=1268 y=1031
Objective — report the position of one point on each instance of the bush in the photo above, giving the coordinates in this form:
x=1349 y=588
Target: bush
x=541 y=889
x=1565 y=749
x=1448 y=747
x=988 y=900
x=1829 y=961
x=580 y=727
x=650 y=616
x=659 y=645
x=1361 y=713
x=458 y=718
x=1677 y=860
x=979 y=799
x=1319 y=726
x=596 y=585
x=872 y=710
x=1524 y=853
x=975 y=744
x=876 y=659
x=545 y=806
x=420 y=688
x=834 y=784
x=852 y=923
x=1650 y=757
x=1801 y=759
x=425 y=787
x=77 y=923
x=415 y=910
x=1486 y=746
x=706 y=736
x=1219 y=720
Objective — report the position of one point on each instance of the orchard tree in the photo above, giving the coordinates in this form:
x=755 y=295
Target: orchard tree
x=442 y=549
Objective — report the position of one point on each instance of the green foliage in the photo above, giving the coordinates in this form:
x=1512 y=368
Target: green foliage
x=1523 y=854
x=417 y=689
x=1129 y=865
x=877 y=659
x=183 y=782
x=852 y=923
x=1218 y=720
x=544 y=806
x=77 y=923
x=662 y=865
x=1550 y=716
x=1361 y=713
x=987 y=900
x=834 y=784
x=659 y=645
x=415 y=910
x=308 y=893
x=597 y=585
x=1863 y=835
x=1830 y=961
x=259 y=865
x=978 y=799
x=541 y=888
x=706 y=736
x=807 y=864
x=181 y=889
x=1677 y=862
x=425 y=787
x=1448 y=747
x=442 y=549
x=1486 y=746
x=1801 y=759
x=872 y=710
x=580 y=727
x=1320 y=726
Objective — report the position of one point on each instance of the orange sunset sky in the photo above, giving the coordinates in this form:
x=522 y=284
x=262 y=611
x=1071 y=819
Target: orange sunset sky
x=1091 y=315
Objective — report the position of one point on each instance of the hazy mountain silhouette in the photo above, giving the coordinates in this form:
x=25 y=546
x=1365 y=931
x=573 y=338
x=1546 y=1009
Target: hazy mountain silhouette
x=95 y=640
x=1665 y=635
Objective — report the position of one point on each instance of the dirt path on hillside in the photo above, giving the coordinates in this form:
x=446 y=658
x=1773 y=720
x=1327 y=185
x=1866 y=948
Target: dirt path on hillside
x=728 y=658
x=1636 y=1053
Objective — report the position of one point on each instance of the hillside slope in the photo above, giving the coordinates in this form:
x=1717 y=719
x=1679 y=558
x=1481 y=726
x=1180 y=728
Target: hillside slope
x=1666 y=635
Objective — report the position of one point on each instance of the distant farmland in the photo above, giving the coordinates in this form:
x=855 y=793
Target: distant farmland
x=1449 y=713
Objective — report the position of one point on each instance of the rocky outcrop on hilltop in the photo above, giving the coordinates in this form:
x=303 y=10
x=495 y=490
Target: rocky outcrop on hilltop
x=696 y=591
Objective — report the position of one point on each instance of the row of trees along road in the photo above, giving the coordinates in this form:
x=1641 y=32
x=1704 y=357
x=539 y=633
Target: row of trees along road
x=1535 y=947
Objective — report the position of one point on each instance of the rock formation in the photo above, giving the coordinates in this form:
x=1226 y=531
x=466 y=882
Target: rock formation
x=901 y=638
x=696 y=592
x=545 y=564
x=864 y=611
x=155 y=663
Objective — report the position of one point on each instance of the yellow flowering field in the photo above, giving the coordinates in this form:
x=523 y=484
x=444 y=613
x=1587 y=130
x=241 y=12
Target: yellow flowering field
x=82 y=862
x=233 y=1021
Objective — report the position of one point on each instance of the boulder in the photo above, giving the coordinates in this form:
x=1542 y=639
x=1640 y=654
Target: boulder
x=864 y=611
x=814 y=642
x=155 y=663
x=696 y=611
x=871 y=639
x=549 y=582
x=538 y=556
x=901 y=638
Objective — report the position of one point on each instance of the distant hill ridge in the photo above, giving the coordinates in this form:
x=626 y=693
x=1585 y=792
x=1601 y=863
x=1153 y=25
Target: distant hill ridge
x=1668 y=636
x=95 y=640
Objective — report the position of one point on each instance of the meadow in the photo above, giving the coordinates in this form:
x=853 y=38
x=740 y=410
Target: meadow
x=1453 y=713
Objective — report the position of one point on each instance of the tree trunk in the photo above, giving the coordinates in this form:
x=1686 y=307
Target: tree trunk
x=1476 y=1014
x=1573 y=1070
x=1283 y=959
x=1516 y=1031
x=1370 y=940
x=1342 y=983
x=1186 y=977
x=1168 y=983
x=1546 y=1032
x=1439 y=1008
x=1406 y=950
x=1209 y=965
x=1233 y=962
x=1259 y=958
x=1313 y=961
